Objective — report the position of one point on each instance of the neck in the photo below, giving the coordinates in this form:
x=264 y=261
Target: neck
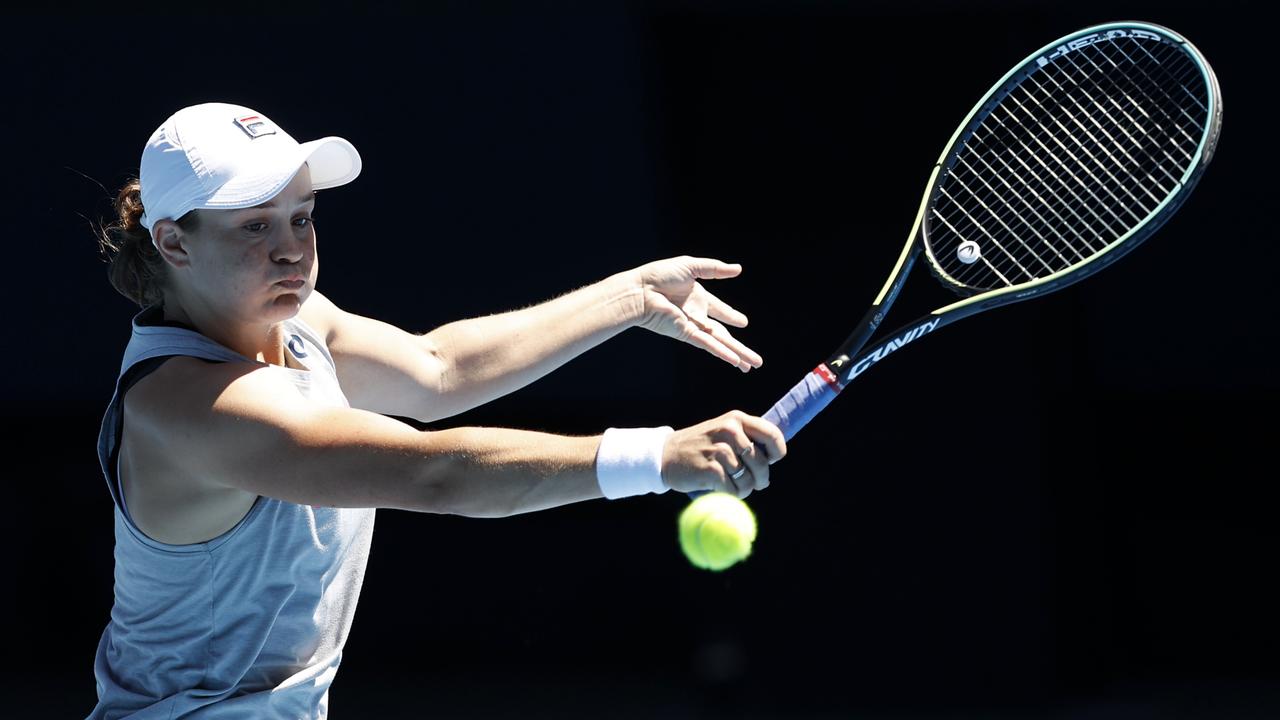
x=263 y=342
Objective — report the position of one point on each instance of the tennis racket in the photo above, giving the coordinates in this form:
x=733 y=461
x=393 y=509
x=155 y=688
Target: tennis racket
x=1070 y=161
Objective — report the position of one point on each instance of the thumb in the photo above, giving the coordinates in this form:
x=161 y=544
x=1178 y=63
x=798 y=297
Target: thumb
x=712 y=269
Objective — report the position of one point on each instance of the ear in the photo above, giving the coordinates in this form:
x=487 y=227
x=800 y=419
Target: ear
x=171 y=241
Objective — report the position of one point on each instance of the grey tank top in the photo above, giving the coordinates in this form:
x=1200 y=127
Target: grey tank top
x=250 y=624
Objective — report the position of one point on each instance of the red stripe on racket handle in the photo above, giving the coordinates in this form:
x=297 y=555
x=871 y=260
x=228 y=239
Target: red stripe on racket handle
x=813 y=393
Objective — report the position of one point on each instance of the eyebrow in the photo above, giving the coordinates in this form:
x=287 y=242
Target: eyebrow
x=272 y=202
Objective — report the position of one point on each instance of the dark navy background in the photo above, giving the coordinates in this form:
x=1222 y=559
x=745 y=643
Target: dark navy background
x=1060 y=509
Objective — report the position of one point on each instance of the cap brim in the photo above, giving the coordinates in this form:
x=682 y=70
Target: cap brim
x=333 y=161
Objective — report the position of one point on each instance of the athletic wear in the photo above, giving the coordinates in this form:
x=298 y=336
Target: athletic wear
x=250 y=624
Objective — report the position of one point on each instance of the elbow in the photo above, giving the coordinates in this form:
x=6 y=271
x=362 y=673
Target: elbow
x=435 y=386
x=439 y=374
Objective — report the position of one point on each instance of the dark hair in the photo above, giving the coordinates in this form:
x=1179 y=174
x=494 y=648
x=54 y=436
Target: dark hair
x=136 y=269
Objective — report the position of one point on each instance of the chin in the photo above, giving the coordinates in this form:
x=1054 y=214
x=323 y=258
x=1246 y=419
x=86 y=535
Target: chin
x=285 y=305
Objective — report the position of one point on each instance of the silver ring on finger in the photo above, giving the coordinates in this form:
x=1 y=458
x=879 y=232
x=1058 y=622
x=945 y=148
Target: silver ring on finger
x=739 y=473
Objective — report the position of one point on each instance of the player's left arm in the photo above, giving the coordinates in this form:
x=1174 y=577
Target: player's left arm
x=467 y=363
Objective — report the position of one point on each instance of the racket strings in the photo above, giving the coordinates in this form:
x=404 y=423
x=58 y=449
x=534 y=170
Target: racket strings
x=1091 y=128
x=1050 y=144
x=1073 y=157
x=1195 y=96
x=1099 y=109
x=1054 y=148
x=1085 y=120
x=1182 y=142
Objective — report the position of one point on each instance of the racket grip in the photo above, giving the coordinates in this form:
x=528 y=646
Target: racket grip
x=795 y=409
x=813 y=393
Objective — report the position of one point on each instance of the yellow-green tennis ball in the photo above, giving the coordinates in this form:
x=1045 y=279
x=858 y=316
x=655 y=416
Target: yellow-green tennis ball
x=716 y=531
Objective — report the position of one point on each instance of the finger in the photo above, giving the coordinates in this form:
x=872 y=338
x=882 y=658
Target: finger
x=752 y=457
x=712 y=269
x=767 y=435
x=737 y=476
x=752 y=465
x=752 y=357
x=721 y=334
x=722 y=311
x=707 y=334
x=757 y=467
x=694 y=335
x=742 y=484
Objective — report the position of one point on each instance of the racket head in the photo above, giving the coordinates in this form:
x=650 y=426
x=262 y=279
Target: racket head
x=1069 y=161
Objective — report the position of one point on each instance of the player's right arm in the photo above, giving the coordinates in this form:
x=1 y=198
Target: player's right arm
x=246 y=426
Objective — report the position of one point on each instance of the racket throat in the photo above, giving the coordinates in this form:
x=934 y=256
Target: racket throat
x=846 y=368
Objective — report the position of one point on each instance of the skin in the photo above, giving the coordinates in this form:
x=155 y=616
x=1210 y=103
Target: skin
x=224 y=279
x=203 y=440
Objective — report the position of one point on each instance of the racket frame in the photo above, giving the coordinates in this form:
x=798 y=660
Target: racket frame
x=848 y=362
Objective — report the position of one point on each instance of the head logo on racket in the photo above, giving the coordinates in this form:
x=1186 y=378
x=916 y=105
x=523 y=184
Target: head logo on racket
x=968 y=252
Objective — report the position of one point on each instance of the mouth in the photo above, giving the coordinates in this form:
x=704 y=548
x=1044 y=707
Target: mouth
x=292 y=284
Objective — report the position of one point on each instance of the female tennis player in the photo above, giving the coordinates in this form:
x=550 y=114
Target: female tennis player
x=248 y=441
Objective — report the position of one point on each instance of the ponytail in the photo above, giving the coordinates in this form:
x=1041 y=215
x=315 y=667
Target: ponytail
x=136 y=269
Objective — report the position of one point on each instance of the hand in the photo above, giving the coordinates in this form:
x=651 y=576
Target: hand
x=707 y=455
x=676 y=305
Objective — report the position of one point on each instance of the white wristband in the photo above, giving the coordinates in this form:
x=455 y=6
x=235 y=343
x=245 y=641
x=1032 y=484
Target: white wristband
x=629 y=461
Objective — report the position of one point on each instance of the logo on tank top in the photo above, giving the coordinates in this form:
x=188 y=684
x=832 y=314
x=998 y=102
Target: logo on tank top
x=296 y=347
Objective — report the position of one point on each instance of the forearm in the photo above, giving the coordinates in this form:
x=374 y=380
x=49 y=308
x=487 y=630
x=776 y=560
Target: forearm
x=489 y=357
x=496 y=472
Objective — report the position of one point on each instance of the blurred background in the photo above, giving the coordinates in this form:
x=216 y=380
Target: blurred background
x=1060 y=509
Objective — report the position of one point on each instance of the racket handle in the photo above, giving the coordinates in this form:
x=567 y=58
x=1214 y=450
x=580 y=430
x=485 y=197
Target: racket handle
x=813 y=393
x=798 y=406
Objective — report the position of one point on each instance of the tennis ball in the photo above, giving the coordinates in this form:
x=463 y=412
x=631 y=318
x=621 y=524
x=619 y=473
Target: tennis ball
x=716 y=531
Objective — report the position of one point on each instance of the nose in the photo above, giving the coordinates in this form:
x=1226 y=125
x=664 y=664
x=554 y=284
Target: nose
x=289 y=245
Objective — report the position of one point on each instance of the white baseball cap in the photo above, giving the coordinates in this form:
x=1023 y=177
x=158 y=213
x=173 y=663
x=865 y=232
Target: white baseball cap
x=221 y=156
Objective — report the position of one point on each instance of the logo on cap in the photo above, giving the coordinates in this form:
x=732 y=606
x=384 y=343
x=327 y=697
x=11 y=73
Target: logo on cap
x=255 y=126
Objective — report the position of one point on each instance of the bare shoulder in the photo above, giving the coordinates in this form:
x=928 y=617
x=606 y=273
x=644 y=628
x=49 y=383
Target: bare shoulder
x=184 y=388
x=174 y=493
x=193 y=409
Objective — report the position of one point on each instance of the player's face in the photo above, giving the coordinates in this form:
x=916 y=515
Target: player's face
x=258 y=264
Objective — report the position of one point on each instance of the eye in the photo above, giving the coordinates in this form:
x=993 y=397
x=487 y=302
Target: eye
x=255 y=227
x=303 y=222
